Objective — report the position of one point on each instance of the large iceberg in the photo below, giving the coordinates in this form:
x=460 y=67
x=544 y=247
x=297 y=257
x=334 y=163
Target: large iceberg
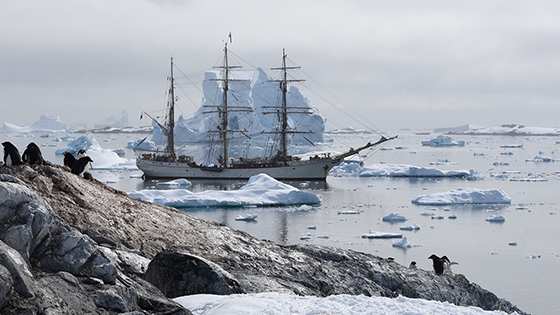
x=259 y=94
x=102 y=158
x=514 y=130
x=113 y=122
x=46 y=123
x=469 y=195
x=261 y=190
x=443 y=141
x=402 y=170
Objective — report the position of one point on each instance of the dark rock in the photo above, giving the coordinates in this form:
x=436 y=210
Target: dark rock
x=18 y=268
x=6 y=287
x=177 y=274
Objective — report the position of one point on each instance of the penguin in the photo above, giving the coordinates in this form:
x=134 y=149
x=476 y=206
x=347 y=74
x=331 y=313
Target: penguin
x=447 y=265
x=438 y=263
x=32 y=154
x=82 y=153
x=79 y=167
x=69 y=160
x=11 y=154
x=412 y=265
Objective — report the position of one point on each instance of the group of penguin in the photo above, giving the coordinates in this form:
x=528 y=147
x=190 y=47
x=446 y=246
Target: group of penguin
x=32 y=155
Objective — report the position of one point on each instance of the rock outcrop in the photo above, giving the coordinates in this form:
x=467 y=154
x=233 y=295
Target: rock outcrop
x=84 y=237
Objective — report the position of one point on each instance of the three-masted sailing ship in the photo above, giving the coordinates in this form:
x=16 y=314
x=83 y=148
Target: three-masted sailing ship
x=281 y=166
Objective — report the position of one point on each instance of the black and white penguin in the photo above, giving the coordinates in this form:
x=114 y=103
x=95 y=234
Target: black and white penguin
x=11 y=154
x=413 y=265
x=438 y=263
x=447 y=265
x=32 y=154
x=82 y=153
x=79 y=167
x=69 y=160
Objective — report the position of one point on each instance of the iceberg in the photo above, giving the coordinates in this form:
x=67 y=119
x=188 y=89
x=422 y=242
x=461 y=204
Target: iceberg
x=261 y=190
x=403 y=243
x=495 y=218
x=540 y=158
x=102 y=158
x=46 y=123
x=394 y=217
x=514 y=130
x=258 y=93
x=113 y=122
x=376 y=234
x=410 y=227
x=248 y=217
x=443 y=141
x=403 y=170
x=464 y=196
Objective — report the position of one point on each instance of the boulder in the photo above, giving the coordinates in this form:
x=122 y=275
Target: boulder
x=178 y=274
x=6 y=287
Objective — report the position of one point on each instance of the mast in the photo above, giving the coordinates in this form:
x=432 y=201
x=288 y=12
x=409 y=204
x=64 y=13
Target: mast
x=284 y=108
x=171 y=121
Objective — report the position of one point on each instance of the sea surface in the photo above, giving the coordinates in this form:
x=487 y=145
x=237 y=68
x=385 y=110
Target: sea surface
x=527 y=273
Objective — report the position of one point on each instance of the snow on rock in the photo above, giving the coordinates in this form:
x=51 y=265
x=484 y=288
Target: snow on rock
x=277 y=303
x=403 y=170
x=443 y=141
x=469 y=195
x=261 y=190
x=102 y=158
x=46 y=123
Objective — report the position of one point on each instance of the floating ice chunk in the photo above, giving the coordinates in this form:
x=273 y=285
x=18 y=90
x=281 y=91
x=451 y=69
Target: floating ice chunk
x=348 y=212
x=443 y=141
x=410 y=227
x=512 y=146
x=346 y=168
x=402 y=243
x=427 y=213
x=540 y=158
x=322 y=236
x=437 y=217
x=512 y=243
x=376 y=234
x=261 y=190
x=464 y=196
x=495 y=218
x=394 y=217
x=403 y=170
x=181 y=182
x=312 y=227
x=247 y=217
x=452 y=217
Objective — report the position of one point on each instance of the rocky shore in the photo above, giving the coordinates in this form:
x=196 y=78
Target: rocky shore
x=74 y=246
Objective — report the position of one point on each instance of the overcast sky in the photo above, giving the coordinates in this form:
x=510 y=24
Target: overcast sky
x=418 y=64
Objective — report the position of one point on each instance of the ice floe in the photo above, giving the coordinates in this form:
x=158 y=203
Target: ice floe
x=495 y=218
x=443 y=141
x=261 y=190
x=180 y=182
x=403 y=170
x=247 y=217
x=394 y=217
x=102 y=158
x=377 y=234
x=469 y=195
x=412 y=227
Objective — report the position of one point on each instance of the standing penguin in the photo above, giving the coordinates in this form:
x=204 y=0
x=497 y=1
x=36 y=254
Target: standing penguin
x=79 y=167
x=11 y=154
x=82 y=153
x=69 y=160
x=438 y=263
x=32 y=154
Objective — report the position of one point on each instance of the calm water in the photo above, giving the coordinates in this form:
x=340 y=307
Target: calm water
x=526 y=274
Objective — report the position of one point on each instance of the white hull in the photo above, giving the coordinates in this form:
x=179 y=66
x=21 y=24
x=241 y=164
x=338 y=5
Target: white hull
x=301 y=170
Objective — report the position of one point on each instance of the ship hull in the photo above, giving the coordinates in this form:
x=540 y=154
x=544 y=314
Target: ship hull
x=303 y=170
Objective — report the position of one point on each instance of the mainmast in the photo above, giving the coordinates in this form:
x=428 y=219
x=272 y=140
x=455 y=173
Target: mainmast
x=171 y=121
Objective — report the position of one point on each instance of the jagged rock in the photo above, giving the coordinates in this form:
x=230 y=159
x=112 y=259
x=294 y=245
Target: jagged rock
x=6 y=287
x=18 y=268
x=143 y=229
x=177 y=274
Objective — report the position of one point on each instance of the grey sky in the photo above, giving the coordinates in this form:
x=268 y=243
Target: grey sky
x=398 y=63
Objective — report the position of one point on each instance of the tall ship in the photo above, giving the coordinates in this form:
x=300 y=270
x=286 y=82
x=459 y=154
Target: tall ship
x=280 y=165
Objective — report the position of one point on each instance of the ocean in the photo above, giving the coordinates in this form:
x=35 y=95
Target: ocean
x=517 y=260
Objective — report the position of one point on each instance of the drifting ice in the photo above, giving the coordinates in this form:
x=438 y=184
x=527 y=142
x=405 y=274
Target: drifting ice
x=394 y=170
x=464 y=196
